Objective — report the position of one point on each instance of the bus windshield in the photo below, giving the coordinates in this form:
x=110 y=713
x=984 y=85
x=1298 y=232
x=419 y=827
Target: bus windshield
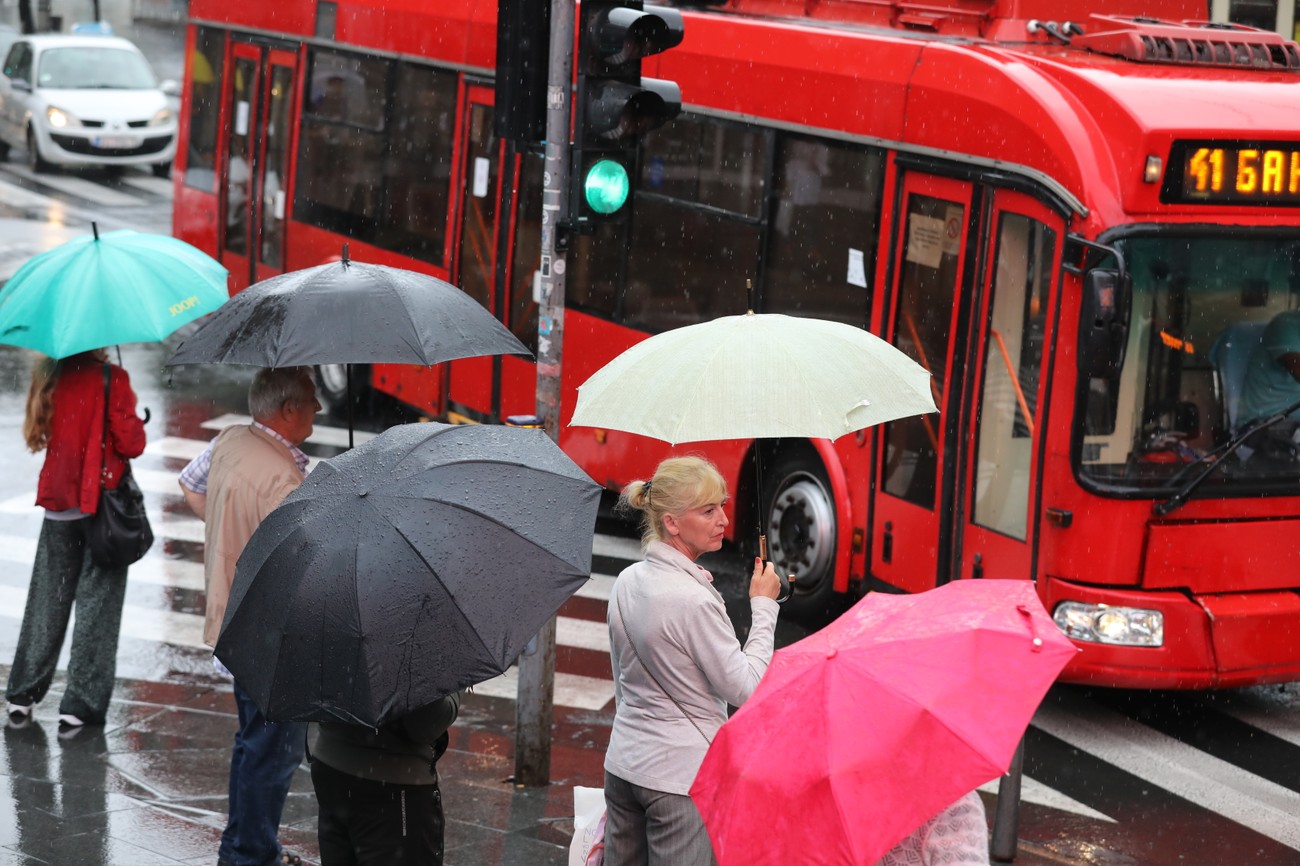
x=1214 y=318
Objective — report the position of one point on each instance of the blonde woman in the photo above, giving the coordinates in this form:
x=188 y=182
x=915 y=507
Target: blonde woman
x=677 y=665
x=65 y=418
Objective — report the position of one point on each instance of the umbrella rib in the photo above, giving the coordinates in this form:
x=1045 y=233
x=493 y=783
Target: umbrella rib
x=431 y=568
x=487 y=517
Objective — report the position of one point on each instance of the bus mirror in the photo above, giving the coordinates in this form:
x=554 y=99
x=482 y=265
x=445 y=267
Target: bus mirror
x=1103 y=323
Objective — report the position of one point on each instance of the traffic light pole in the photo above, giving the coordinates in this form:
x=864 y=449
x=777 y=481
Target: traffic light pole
x=536 y=691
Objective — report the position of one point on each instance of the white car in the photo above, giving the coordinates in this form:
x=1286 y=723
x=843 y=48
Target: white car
x=85 y=100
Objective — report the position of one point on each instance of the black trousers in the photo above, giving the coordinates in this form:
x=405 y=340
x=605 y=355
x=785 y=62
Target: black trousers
x=368 y=823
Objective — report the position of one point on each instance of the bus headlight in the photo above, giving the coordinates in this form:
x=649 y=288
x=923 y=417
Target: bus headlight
x=1101 y=623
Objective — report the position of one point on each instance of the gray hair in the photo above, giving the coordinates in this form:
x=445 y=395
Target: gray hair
x=275 y=386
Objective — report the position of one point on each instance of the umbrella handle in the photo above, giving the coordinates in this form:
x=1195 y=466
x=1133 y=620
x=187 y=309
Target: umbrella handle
x=1029 y=623
x=786 y=589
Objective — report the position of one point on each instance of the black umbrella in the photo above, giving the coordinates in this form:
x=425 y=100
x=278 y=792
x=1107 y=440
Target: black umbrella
x=347 y=312
x=421 y=562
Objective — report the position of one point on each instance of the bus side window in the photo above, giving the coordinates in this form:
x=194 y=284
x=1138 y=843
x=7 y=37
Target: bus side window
x=341 y=149
x=695 y=230
x=821 y=248
x=417 y=168
x=205 y=109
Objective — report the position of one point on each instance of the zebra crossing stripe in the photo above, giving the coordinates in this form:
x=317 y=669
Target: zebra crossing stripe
x=1185 y=771
x=80 y=187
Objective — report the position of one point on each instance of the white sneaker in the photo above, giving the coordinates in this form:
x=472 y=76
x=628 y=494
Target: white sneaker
x=70 y=720
x=18 y=712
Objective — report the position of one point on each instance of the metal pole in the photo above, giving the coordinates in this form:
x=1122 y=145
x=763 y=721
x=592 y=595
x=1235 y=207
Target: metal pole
x=537 y=665
x=1006 y=818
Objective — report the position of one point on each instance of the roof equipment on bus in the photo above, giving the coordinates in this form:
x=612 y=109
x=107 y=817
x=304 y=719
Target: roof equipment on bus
x=1188 y=43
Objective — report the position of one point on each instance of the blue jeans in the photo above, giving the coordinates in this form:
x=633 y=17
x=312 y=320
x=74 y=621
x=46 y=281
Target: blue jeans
x=262 y=765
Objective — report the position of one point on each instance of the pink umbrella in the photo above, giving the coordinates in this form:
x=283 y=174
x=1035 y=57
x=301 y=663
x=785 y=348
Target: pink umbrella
x=861 y=732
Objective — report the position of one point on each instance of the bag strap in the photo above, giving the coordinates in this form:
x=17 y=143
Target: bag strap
x=103 y=442
x=621 y=621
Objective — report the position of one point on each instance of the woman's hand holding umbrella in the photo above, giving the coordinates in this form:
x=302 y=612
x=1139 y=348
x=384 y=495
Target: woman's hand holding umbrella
x=764 y=581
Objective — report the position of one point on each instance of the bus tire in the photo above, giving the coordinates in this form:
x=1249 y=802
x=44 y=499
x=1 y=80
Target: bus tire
x=332 y=386
x=801 y=526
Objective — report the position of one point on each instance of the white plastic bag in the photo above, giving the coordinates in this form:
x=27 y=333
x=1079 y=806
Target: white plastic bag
x=588 y=845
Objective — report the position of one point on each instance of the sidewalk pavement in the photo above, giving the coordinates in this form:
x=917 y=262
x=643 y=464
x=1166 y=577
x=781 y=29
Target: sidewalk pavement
x=148 y=789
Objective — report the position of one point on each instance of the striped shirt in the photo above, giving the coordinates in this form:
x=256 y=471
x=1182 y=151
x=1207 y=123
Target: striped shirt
x=195 y=474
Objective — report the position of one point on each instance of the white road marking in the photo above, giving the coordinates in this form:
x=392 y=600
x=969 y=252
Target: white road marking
x=1183 y=770
x=158 y=186
x=1033 y=791
x=571 y=690
x=335 y=437
x=81 y=188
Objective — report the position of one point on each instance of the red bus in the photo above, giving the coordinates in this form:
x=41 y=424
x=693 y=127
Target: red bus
x=1081 y=227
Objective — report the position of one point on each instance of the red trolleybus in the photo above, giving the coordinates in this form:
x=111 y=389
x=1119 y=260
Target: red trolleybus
x=1080 y=226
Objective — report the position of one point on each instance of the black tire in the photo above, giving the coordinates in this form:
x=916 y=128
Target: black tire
x=332 y=387
x=801 y=525
x=35 y=161
x=161 y=169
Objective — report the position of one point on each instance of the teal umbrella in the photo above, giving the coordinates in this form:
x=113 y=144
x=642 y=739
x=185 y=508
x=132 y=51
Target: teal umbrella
x=121 y=287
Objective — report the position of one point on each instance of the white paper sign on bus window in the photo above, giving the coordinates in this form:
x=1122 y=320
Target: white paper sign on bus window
x=952 y=224
x=924 y=240
x=480 y=176
x=857 y=275
x=241 y=118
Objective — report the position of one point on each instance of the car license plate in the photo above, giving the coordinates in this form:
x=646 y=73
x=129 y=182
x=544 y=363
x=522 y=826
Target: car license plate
x=115 y=141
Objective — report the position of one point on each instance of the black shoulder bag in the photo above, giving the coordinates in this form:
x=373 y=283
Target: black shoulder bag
x=119 y=530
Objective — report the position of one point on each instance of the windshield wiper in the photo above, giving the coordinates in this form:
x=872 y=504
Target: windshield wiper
x=1217 y=457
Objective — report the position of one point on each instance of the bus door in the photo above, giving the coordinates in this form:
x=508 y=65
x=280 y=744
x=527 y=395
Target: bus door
x=474 y=387
x=1004 y=406
x=912 y=508
x=254 y=171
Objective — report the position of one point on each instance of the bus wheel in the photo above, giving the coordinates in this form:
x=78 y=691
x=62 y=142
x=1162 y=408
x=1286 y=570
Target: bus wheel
x=332 y=386
x=800 y=523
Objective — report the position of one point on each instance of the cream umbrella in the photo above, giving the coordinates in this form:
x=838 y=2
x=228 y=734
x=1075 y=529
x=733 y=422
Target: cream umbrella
x=754 y=376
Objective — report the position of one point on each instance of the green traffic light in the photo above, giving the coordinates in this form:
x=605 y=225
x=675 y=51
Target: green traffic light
x=606 y=186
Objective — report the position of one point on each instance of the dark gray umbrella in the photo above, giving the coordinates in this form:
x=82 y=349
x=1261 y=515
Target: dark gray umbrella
x=418 y=563
x=347 y=312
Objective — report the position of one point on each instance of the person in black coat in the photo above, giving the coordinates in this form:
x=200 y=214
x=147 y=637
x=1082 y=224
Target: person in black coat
x=378 y=788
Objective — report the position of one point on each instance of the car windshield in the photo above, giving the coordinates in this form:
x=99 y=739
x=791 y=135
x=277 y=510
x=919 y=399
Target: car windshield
x=1202 y=361
x=94 y=68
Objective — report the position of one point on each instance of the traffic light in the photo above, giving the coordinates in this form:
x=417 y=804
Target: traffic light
x=615 y=105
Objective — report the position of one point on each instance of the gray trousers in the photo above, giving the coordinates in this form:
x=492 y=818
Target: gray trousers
x=644 y=827
x=61 y=575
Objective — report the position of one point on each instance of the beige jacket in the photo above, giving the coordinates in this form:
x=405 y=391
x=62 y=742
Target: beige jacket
x=679 y=625
x=251 y=474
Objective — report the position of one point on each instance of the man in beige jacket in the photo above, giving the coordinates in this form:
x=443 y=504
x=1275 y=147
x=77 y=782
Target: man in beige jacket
x=233 y=485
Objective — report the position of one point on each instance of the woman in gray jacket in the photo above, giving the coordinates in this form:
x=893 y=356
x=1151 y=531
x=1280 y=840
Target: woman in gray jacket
x=677 y=665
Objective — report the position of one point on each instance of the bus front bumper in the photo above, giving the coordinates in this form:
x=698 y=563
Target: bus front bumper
x=1210 y=641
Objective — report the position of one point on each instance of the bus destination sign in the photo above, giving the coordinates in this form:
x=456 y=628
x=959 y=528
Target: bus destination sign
x=1233 y=173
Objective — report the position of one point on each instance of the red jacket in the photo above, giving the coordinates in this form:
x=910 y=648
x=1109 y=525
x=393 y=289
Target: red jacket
x=70 y=476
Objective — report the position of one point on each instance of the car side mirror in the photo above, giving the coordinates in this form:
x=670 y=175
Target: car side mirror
x=19 y=84
x=170 y=87
x=1103 y=323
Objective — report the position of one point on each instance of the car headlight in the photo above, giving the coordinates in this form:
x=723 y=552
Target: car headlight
x=162 y=118
x=1101 y=623
x=60 y=119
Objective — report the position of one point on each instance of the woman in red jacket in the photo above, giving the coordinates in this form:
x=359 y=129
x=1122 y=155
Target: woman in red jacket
x=65 y=418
